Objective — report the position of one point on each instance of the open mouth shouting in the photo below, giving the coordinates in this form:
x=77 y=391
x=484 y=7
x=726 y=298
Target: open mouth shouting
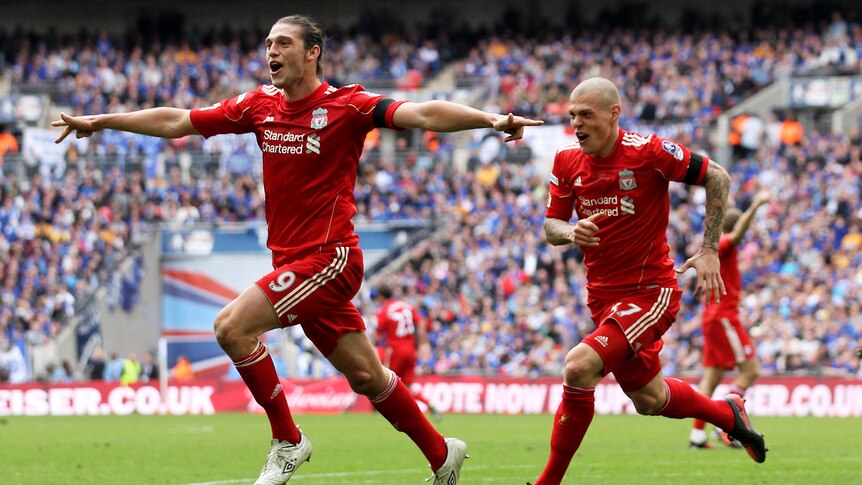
x=582 y=137
x=274 y=67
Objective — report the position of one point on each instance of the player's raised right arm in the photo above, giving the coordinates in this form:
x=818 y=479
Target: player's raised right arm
x=161 y=122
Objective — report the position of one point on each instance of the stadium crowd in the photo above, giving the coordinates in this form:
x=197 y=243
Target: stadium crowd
x=673 y=82
x=499 y=300
x=98 y=72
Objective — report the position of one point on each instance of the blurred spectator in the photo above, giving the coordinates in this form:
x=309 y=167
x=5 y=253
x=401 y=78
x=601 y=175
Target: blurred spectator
x=131 y=373
x=12 y=361
x=735 y=137
x=791 y=131
x=96 y=365
x=114 y=368
x=752 y=134
x=182 y=371
x=8 y=142
x=63 y=373
x=149 y=368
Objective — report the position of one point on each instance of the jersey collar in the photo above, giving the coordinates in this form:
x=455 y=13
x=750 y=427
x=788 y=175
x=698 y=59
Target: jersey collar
x=308 y=100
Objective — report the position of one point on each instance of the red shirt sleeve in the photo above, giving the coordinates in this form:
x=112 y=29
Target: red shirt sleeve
x=380 y=107
x=676 y=162
x=561 y=197
x=228 y=116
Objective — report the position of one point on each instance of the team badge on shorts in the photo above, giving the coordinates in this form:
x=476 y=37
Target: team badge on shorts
x=319 y=118
x=627 y=180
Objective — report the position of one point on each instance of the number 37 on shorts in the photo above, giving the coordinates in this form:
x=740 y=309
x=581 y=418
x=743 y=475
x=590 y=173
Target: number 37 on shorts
x=644 y=316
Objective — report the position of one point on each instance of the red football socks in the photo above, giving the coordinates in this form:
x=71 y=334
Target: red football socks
x=397 y=405
x=685 y=402
x=571 y=422
x=258 y=373
x=734 y=389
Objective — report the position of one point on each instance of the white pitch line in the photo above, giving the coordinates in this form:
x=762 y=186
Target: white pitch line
x=370 y=473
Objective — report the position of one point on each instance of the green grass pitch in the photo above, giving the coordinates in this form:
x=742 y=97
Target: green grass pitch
x=364 y=449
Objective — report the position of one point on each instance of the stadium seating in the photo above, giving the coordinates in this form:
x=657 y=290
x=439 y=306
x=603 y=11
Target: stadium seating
x=499 y=299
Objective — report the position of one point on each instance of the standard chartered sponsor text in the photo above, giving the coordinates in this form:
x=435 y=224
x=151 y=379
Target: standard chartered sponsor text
x=290 y=136
x=282 y=149
x=295 y=147
x=599 y=205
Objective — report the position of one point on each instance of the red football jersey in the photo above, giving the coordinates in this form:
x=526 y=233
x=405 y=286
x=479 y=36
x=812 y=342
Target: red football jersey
x=630 y=186
x=729 y=304
x=396 y=324
x=311 y=150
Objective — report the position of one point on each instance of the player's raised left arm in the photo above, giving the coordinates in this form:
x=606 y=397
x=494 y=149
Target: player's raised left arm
x=709 y=282
x=445 y=116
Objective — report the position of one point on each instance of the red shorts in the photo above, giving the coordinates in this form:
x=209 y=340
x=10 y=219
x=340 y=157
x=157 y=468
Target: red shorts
x=401 y=360
x=726 y=343
x=630 y=346
x=316 y=292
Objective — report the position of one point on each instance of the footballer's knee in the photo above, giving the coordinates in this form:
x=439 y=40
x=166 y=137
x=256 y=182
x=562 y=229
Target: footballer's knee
x=574 y=371
x=369 y=378
x=580 y=370
x=367 y=382
x=225 y=328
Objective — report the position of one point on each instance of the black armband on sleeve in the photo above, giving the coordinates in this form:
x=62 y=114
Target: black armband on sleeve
x=380 y=112
x=695 y=164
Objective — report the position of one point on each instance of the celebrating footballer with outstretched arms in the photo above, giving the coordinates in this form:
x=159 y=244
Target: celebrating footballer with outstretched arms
x=311 y=135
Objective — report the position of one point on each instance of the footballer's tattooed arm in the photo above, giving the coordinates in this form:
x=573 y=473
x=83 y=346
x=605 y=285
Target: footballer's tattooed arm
x=717 y=185
x=705 y=262
x=558 y=231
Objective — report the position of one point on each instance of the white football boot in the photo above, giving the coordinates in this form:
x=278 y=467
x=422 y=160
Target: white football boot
x=450 y=472
x=283 y=459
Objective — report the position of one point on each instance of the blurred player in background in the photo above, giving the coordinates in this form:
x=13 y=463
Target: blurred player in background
x=311 y=135
x=726 y=343
x=617 y=182
x=401 y=334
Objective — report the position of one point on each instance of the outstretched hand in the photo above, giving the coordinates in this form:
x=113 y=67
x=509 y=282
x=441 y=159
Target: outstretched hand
x=514 y=126
x=83 y=126
x=707 y=266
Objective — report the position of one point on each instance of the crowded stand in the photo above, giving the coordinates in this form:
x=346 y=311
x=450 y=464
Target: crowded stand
x=96 y=73
x=674 y=83
x=498 y=299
